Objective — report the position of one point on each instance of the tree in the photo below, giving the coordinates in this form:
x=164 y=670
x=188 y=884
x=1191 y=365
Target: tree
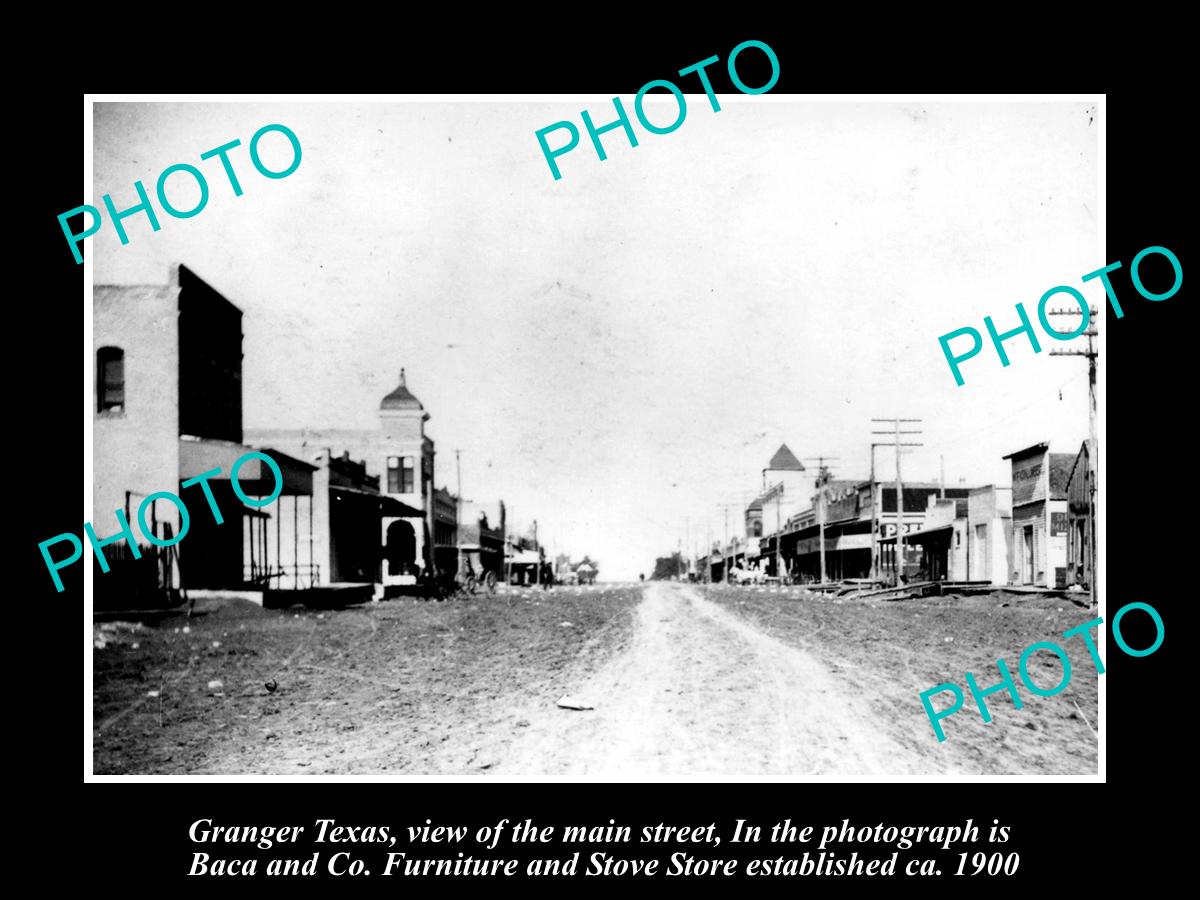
x=589 y=577
x=667 y=567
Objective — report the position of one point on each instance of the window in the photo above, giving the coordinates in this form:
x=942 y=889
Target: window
x=400 y=475
x=110 y=379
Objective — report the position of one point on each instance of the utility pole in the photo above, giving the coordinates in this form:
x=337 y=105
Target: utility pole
x=1093 y=450
x=507 y=556
x=779 y=536
x=725 y=550
x=537 y=549
x=725 y=546
x=687 y=543
x=876 y=503
x=458 y=510
x=822 y=479
x=799 y=467
x=775 y=492
x=899 y=490
x=708 y=553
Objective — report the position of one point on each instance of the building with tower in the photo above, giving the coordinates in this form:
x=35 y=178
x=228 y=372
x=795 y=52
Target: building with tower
x=399 y=456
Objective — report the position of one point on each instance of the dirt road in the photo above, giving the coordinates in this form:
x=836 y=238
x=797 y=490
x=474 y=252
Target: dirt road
x=687 y=681
x=702 y=691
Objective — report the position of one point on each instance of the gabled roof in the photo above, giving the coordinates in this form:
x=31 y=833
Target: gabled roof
x=1081 y=455
x=785 y=460
x=1036 y=448
x=1061 y=465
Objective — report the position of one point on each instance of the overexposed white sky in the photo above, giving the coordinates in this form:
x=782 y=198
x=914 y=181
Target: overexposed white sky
x=619 y=352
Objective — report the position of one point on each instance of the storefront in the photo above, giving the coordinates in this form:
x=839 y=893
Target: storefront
x=1081 y=522
x=1039 y=516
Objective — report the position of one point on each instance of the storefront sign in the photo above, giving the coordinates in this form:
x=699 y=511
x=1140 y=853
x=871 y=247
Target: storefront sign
x=888 y=529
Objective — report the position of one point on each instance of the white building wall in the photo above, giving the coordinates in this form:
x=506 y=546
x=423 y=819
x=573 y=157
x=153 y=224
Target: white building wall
x=136 y=449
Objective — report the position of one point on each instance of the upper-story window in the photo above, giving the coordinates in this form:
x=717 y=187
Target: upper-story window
x=400 y=475
x=110 y=379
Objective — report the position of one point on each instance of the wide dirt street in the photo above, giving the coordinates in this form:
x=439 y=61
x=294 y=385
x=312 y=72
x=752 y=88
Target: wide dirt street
x=686 y=681
x=703 y=692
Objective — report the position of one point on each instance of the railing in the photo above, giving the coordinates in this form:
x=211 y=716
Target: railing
x=304 y=576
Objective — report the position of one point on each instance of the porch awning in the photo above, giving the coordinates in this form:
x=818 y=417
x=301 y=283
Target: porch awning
x=390 y=506
x=199 y=455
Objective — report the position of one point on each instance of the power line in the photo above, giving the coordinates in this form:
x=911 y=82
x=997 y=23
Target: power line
x=896 y=433
x=1091 y=353
x=822 y=480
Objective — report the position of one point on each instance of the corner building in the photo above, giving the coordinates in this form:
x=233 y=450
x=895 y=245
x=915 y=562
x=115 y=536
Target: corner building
x=401 y=456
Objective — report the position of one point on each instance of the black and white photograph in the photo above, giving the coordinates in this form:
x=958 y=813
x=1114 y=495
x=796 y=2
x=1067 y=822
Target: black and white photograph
x=469 y=438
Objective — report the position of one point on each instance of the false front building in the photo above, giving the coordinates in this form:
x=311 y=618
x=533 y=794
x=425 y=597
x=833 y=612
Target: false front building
x=1039 y=516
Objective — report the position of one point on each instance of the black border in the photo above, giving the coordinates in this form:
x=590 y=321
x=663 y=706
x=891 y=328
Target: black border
x=139 y=831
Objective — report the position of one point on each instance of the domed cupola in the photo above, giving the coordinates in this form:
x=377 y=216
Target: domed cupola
x=401 y=398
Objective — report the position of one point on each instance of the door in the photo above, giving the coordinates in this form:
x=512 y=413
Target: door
x=1027 y=555
x=399 y=552
x=981 y=559
x=1080 y=556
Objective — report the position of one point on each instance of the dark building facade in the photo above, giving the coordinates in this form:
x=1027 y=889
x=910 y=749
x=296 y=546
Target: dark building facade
x=210 y=362
x=1081 y=521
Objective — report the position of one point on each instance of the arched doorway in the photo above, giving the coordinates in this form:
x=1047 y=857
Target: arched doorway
x=400 y=549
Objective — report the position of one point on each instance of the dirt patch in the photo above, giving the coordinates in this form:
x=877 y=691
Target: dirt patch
x=888 y=652
x=704 y=692
x=402 y=686
x=687 y=682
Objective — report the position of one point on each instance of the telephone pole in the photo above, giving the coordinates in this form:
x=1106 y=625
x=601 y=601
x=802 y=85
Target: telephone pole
x=537 y=549
x=1093 y=450
x=822 y=480
x=458 y=510
x=876 y=503
x=896 y=432
x=777 y=490
x=708 y=552
x=725 y=547
x=687 y=544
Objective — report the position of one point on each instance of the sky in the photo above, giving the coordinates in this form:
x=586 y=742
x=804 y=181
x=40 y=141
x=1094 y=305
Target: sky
x=618 y=353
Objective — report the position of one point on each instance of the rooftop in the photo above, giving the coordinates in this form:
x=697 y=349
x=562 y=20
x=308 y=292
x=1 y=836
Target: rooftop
x=1028 y=451
x=401 y=397
x=785 y=460
x=1061 y=465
